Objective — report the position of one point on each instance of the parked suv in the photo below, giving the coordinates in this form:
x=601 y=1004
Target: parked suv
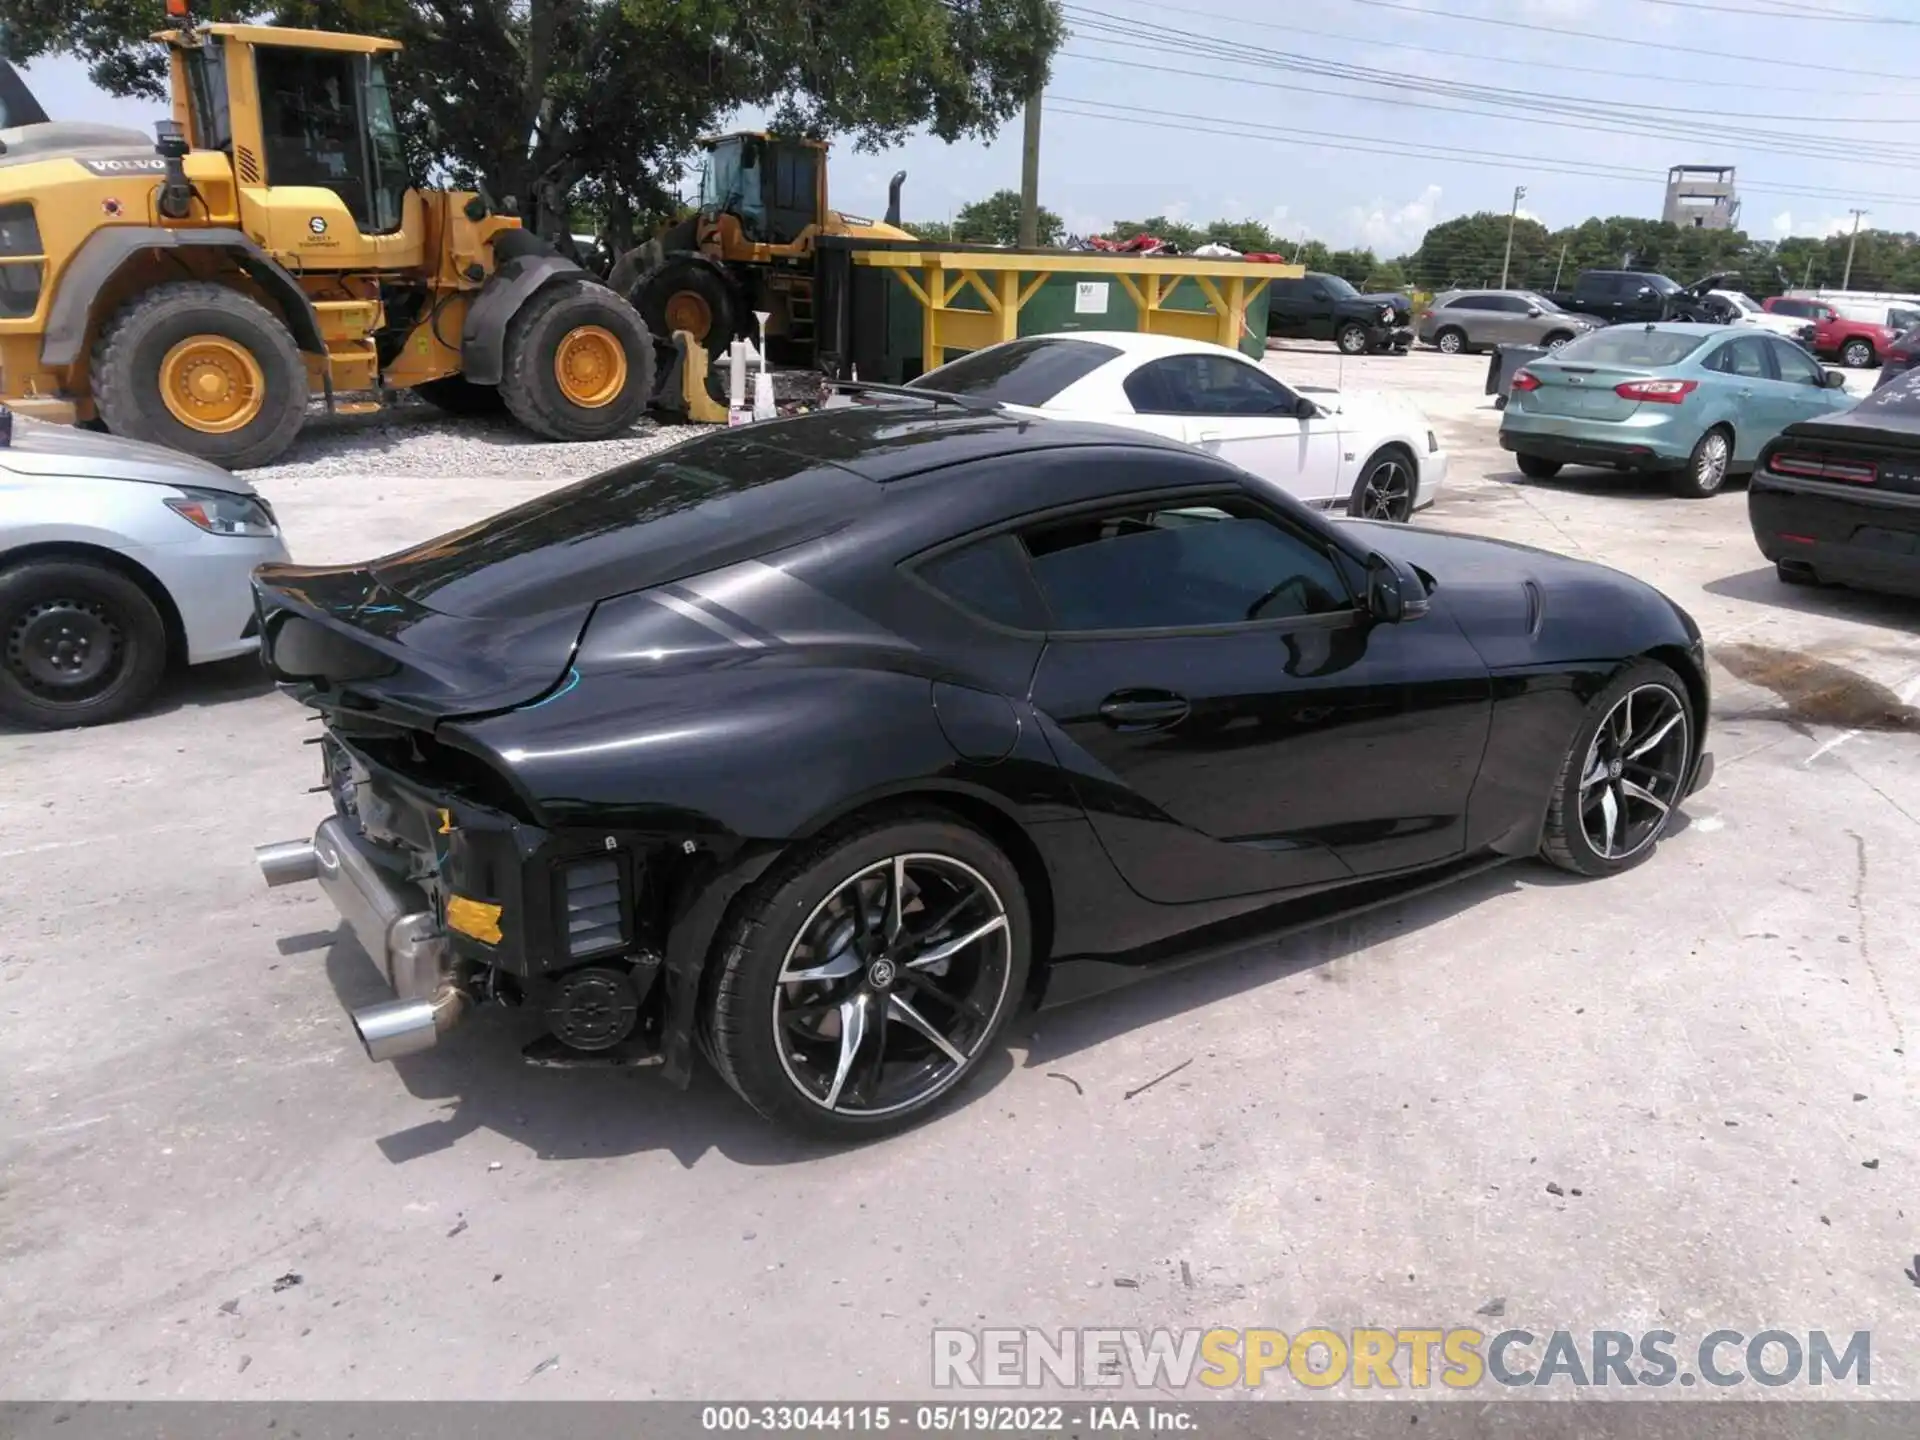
x=1901 y=356
x=1467 y=320
x=1858 y=343
x=1326 y=307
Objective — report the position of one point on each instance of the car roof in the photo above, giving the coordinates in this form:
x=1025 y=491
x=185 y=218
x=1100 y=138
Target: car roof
x=894 y=438
x=1138 y=344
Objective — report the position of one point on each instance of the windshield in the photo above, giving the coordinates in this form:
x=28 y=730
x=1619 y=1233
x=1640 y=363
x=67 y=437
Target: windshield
x=1339 y=286
x=1540 y=300
x=389 y=160
x=728 y=185
x=1640 y=346
x=1740 y=301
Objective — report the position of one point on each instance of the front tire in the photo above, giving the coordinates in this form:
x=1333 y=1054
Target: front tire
x=1351 y=338
x=682 y=295
x=1385 y=489
x=579 y=363
x=1450 y=341
x=1705 y=473
x=843 y=1011
x=1624 y=774
x=1537 y=467
x=202 y=368
x=80 y=644
x=1557 y=339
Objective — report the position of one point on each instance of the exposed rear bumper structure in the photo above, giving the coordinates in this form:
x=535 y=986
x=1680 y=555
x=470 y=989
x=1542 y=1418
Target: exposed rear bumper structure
x=1568 y=451
x=395 y=925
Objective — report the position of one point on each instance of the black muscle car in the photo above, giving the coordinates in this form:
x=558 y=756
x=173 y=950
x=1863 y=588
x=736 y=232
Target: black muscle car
x=823 y=744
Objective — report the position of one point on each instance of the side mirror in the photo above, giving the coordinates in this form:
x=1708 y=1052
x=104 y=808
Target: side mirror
x=1305 y=409
x=1395 y=592
x=1834 y=380
x=1645 y=292
x=1533 y=312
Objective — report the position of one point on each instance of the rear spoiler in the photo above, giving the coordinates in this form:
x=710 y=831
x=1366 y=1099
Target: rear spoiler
x=17 y=105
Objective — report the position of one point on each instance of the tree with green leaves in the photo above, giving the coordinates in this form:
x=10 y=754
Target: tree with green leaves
x=996 y=221
x=600 y=101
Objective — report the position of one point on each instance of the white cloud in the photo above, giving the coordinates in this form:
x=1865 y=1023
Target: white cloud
x=1392 y=229
x=1786 y=223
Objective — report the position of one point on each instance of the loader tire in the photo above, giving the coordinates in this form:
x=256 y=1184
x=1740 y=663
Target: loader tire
x=579 y=363
x=685 y=296
x=203 y=368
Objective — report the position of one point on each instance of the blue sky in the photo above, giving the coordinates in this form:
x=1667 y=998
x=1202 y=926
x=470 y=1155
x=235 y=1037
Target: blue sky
x=1606 y=119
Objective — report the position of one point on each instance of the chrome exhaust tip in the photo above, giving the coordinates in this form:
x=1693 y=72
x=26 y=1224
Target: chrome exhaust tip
x=395 y=1028
x=287 y=863
x=405 y=1027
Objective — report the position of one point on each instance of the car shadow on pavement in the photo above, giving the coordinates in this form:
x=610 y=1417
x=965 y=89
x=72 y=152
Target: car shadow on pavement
x=1762 y=586
x=220 y=683
x=477 y=1081
x=1054 y=1034
x=1640 y=485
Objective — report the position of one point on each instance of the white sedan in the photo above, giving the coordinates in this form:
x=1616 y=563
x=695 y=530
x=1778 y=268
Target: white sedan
x=1367 y=453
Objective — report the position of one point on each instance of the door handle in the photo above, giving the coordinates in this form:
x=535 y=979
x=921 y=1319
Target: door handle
x=1144 y=709
x=1747 y=394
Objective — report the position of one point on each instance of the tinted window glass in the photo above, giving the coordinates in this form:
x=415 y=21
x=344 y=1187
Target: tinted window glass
x=1206 y=385
x=1144 y=568
x=1631 y=345
x=990 y=579
x=1796 y=366
x=1798 y=308
x=1510 y=304
x=1746 y=357
x=1462 y=302
x=1019 y=372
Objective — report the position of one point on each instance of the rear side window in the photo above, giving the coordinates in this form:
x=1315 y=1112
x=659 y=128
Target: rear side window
x=990 y=579
x=1631 y=345
x=1019 y=372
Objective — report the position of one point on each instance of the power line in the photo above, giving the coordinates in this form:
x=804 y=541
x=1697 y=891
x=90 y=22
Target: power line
x=1722 y=55
x=1482 y=58
x=1426 y=150
x=1539 y=113
x=1843 y=17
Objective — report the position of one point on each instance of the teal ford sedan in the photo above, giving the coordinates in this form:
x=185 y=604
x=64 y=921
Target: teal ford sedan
x=1694 y=401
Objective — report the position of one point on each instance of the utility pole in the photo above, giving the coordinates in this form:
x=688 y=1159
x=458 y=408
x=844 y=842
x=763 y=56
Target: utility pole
x=1519 y=193
x=1559 y=265
x=1030 y=174
x=1847 y=278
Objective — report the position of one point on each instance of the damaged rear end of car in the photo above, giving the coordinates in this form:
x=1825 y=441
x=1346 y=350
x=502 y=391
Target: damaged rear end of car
x=463 y=689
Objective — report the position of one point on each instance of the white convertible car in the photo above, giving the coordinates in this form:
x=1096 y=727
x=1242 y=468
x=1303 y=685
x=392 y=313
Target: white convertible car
x=1368 y=453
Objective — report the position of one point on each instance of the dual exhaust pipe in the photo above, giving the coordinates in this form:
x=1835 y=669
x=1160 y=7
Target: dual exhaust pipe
x=392 y=925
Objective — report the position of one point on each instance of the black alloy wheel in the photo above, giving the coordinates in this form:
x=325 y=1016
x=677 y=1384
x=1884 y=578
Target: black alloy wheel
x=1624 y=775
x=1385 y=490
x=862 y=987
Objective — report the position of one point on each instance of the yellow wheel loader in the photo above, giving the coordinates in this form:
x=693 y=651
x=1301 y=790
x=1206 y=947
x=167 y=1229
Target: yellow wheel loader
x=270 y=249
x=750 y=246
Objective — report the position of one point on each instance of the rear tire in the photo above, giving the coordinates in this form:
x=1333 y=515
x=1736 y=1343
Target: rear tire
x=1537 y=467
x=579 y=363
x=80 y=644
x=457 y=395
x=1451 y=341
x=765 y=1035
x=202 y=368
x=1857 y=353
x=1617 y=790
x=1351 y=338
x=1705 y=473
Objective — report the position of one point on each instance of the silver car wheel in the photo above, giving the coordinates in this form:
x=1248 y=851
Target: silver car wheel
x=1450 y=343
x=1711 y=469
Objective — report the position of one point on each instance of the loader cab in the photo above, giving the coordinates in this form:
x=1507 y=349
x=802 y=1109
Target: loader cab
x=774 y=186
x=299 y=112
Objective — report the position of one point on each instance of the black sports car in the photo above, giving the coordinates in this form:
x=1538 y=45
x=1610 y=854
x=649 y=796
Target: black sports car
x=826 y=742
x=1837 y=499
